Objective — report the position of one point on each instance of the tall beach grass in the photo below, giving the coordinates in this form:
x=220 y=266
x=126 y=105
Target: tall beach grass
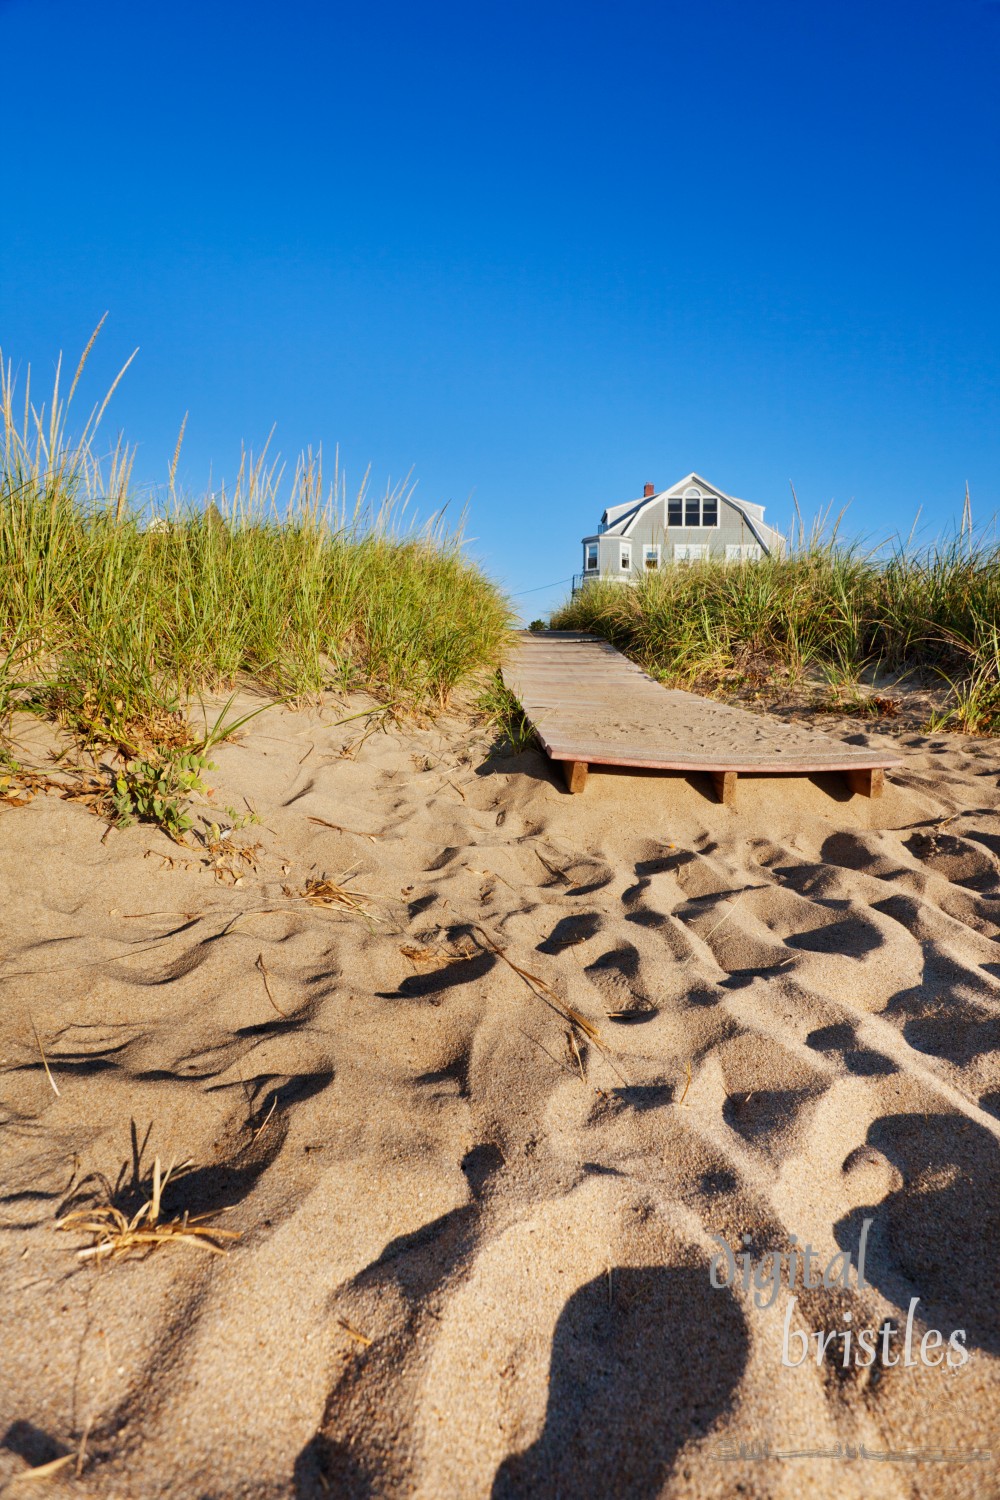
x=111 y=614
x=825 y=610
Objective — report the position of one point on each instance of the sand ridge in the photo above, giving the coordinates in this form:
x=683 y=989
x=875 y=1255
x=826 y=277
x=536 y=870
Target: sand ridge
x=475 y=1240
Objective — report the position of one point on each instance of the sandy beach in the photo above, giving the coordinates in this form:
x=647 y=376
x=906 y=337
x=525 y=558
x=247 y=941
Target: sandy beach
x=481 y=1125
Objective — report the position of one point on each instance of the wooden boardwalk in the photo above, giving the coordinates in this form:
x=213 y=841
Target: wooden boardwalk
x=589 y=705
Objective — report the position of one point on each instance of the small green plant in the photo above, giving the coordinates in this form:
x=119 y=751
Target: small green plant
x=154 y=791
x=223 y=728
x=242 y=820
x=504 y=712
x=9 y=769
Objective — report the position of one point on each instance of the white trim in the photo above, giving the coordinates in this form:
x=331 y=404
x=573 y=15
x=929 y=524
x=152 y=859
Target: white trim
x=625 y=556
x=647 y=548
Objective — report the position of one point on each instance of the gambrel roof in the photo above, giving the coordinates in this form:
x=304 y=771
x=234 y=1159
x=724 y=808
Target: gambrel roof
x=619 y=520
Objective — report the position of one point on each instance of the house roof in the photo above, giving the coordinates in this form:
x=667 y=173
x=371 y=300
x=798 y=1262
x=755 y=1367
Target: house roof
x=620 y=519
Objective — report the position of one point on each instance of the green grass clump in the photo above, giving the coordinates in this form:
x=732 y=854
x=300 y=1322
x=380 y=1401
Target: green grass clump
x=823 y=609
x=113 y=619
x=506 y=717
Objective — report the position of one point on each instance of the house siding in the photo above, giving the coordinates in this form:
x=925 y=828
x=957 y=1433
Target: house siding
x=644 y=523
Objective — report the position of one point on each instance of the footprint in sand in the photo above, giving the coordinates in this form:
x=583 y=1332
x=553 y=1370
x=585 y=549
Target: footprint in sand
x=617 y=977
x=929 y=1237
x=620 y=1406
x=861 y=1061
x=957 y=860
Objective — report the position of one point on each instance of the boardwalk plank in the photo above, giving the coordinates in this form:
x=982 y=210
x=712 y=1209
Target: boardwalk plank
x=590 y=705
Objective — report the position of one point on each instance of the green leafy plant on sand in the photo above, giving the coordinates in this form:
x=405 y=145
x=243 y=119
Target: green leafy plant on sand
x=154 y=791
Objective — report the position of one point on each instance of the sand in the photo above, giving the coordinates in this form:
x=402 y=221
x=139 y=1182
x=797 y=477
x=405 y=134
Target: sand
x=475 y=1238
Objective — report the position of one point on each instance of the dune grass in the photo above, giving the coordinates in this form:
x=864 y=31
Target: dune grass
x=113 y=617
x=825 y=611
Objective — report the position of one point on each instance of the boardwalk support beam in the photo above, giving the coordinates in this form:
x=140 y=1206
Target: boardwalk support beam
x=725 y=787
x=866 y=783
x=575 y=772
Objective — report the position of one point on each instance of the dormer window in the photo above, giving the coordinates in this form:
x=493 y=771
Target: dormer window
x=693 y=509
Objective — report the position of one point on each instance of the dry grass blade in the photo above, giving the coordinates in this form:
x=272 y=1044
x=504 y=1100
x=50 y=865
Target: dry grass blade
x=546 y=992
x=267 y=1120
x=359 y=1338
x=687 y=1085
x=534 y=1040
x=554 y=870
x=264 y=975
x=726 y=914
x=431 y=957
x=115 y=1235
x=45 y=1063
x=575 y=1049
x=45 y=1471
x=338 y=828
x=329 y=893
x=587 y=1027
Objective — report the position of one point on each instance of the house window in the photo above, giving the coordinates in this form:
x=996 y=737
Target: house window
x=743 y=552
x=590 y=560
x=651 y=557
x=690 y=552
x=626 y=558
x=692 y=507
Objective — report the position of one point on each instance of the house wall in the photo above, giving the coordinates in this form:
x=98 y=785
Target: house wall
x=651 y=529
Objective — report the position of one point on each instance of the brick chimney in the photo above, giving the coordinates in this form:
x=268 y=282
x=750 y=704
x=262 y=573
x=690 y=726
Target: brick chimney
x=649 y=489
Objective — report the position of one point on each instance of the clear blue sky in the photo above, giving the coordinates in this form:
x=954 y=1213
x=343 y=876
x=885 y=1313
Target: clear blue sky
x=539 y=253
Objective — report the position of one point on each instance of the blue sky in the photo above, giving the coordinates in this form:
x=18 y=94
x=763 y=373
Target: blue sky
x=538 y=254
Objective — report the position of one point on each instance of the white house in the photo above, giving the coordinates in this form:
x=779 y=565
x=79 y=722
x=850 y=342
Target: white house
x=689 y=522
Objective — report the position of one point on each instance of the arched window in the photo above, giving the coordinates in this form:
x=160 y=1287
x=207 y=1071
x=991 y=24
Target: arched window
x=692 y=507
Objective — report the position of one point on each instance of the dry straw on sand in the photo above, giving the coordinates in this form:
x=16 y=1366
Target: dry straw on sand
x=115 y=1235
